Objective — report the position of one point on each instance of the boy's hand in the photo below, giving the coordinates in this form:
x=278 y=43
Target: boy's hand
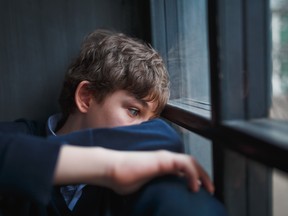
x=130 y=170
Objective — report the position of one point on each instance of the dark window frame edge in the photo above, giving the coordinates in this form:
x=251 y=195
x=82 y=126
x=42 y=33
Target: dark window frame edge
x=232 y=134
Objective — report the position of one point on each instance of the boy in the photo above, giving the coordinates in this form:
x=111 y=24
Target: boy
x=119 y=81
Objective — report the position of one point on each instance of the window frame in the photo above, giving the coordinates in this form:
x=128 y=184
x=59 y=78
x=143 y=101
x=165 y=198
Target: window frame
x=240 y=74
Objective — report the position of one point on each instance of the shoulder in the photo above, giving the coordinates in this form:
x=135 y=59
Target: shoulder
x=23 y=126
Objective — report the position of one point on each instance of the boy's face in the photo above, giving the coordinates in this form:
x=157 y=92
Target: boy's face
x=118 y=109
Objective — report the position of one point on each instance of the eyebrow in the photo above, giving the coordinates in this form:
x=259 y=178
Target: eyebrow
x=138 y=100
x=144 y=104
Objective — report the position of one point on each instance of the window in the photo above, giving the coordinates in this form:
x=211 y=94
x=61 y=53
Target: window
x=279 y=105
x=181 y=36
x=219 y=56
x=279 y=27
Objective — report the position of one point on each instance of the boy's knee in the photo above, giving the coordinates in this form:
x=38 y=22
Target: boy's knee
x=170 y=195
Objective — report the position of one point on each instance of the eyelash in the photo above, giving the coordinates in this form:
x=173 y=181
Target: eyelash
x=133 y=110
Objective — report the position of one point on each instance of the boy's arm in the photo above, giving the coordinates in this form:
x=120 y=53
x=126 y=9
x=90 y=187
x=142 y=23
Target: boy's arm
x=27 y=166
x=151 y=135
x=125 y=172
x=27 y=163
x=148 y=136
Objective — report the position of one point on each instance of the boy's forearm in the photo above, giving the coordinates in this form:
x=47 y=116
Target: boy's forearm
x=124 y=171
x=81 y=165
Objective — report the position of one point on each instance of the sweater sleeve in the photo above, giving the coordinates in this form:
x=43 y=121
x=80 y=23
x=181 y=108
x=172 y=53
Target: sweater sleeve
x=27 y=166
x=151 y=135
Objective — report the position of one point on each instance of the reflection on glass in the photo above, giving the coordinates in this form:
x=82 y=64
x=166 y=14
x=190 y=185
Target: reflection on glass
x=279 y=29
x=182 y=40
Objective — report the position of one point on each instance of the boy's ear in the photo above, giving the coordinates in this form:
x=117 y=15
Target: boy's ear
x=83 y=96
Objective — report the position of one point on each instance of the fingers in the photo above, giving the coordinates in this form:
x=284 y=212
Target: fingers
x=134 y=169
x=195 y=174
x=190 y=169
x=205 y=180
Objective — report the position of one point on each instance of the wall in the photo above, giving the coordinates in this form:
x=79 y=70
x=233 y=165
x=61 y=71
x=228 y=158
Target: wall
x=38 y=39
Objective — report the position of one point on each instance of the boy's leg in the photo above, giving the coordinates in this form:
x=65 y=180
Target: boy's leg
x=169 y=195
x=164 y=196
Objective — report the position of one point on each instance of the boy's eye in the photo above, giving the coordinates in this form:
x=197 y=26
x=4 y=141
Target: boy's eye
x=133 y=111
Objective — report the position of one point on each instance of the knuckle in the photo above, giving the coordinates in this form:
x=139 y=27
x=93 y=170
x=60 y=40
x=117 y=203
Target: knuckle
x=193 y=160
x=163 y=153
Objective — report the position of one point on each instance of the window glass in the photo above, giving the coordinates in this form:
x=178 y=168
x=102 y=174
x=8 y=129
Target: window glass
x=280 y=193
x=188 y=64
x=199 y=147
x=193 y=50
x=279 y=29
x=180 y=35
x=279 y=108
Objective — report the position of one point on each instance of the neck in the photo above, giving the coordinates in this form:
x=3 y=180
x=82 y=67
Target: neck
x=73 y=123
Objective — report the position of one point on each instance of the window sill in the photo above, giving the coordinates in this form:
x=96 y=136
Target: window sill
x=265 y=140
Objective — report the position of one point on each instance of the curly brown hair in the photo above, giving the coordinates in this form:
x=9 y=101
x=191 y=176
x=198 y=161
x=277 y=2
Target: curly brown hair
x=113 y=61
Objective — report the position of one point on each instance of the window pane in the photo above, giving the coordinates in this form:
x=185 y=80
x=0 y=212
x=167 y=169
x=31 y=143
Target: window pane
x=184 y=30
x=279 y=30
x=279 y=27
x=280 y=193
x=199 y=147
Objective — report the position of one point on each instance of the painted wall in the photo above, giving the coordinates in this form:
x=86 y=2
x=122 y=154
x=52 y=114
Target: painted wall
x=38 y=39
